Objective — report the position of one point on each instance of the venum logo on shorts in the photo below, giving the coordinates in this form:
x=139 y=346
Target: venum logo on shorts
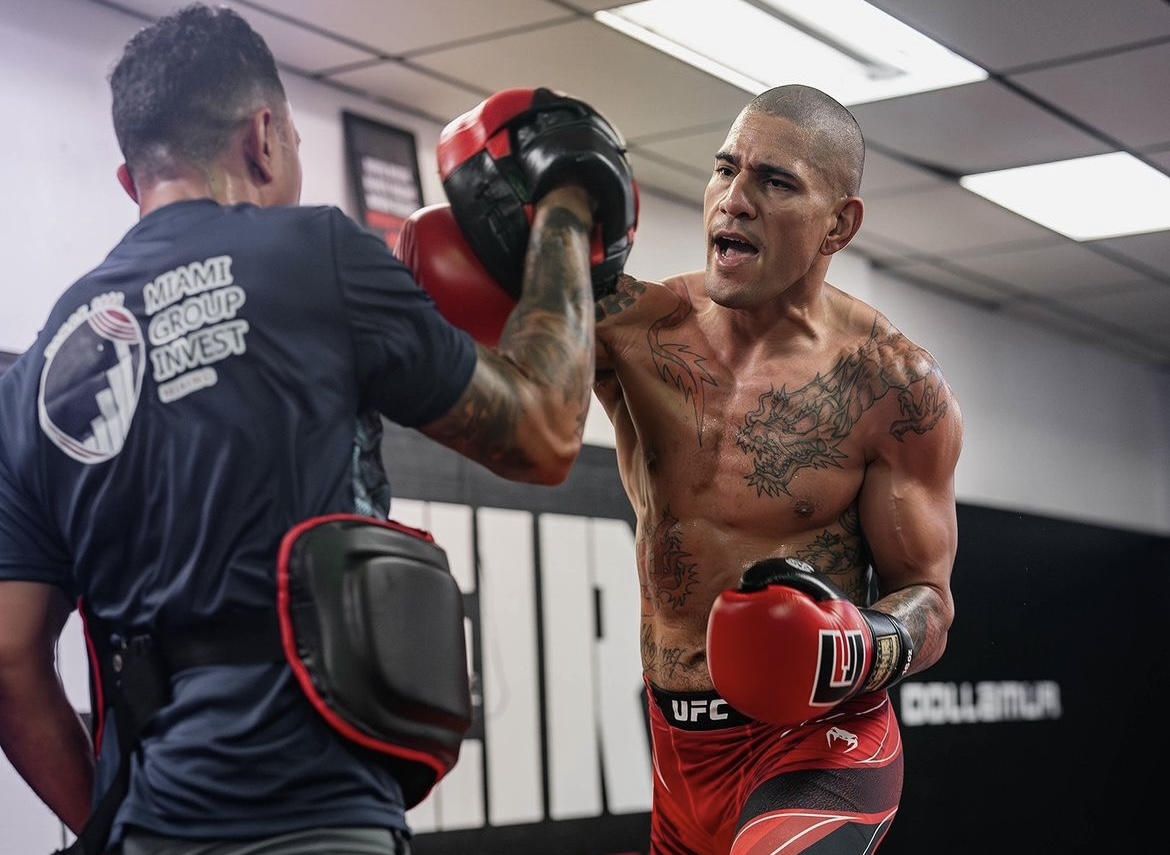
x=92 y=379
x=839 y=661
x=838 y=735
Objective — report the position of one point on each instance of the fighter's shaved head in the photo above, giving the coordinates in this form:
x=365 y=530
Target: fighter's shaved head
x=840 y=146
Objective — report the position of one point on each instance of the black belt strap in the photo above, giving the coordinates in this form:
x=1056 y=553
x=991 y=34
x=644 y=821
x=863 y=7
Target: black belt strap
x=135 y=670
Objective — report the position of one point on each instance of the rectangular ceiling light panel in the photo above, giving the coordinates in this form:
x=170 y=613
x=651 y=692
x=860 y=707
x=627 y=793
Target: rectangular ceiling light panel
x=1088 y=198
x=848 y=48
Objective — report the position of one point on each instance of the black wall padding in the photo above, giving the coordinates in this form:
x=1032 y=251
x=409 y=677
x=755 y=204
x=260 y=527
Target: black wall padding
x=1043 y=604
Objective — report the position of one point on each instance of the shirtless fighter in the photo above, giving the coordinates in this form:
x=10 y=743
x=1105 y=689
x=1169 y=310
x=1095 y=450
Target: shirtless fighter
x=767 y=423
x=790 y=457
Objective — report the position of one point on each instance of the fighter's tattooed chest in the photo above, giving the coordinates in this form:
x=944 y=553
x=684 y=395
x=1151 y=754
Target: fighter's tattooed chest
x=782 y=428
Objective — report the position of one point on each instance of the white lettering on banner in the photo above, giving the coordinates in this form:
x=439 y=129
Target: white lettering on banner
x=547 y=648
x=982 y=702
x=388 y=187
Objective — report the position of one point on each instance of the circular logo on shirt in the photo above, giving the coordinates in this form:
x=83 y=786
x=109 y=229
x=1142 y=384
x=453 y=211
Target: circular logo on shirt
x=91 y=380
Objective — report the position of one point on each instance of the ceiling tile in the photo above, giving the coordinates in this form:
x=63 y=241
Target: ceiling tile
x=885 y=174
x=1151 y=250
x=1062 y=269
x=691 y=153
x=945 y=219
x=1159 y=159
x=651 y=173
x=295 y=47
x=1005 y=34
x=638 y=89
x=879 y=248
x=418 y=92
x=1144 y=308
x=973 y=128
x=1099 y=91
x=396 y=28
x=943 y=280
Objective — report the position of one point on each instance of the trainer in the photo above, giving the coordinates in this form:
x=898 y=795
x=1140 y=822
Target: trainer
x=217 y=379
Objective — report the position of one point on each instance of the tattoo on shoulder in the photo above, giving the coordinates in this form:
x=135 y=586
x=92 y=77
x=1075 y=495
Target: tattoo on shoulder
x=804 y=428
x=628 y=290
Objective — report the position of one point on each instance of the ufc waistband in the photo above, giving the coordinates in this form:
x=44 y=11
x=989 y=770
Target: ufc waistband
x=696 y=710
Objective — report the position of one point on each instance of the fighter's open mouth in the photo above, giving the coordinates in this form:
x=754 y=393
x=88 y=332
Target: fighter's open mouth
x=730 y=246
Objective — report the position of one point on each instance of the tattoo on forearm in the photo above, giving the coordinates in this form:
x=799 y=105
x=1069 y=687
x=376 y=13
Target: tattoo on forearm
x=804 y=428
x=550 y=334
x=917 y=608
x=485 y=420
x=669 y=574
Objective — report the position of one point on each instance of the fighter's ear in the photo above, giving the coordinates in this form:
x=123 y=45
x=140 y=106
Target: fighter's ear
x=260 y=143
x=849 y=215
x=127 y=182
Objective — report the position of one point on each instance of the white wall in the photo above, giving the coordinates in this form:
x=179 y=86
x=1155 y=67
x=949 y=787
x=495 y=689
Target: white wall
x=1053 y=427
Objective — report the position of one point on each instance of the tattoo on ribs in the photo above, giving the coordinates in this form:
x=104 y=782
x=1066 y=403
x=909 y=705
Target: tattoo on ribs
x=659 y=660
x=833 y=554
x=804 y=428
x=669 y=576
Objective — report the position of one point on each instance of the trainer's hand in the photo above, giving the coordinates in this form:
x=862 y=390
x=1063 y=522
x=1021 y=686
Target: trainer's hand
x=505 y=154
x=521 y=414
x=433 y=247
x=787 y=645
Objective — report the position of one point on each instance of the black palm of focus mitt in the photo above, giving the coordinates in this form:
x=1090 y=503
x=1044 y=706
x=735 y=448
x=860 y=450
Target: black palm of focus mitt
x=499 y=158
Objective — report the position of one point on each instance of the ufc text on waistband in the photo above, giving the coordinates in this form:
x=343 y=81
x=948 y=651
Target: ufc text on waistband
x=697 y=710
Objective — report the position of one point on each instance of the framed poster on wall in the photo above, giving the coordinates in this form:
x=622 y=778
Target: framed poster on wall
x=382 y=162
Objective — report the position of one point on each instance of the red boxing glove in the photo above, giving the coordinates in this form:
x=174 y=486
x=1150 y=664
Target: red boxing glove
x=787 y=645
x=433 y=247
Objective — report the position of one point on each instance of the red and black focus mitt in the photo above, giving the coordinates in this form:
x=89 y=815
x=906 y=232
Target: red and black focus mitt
x=499 y=158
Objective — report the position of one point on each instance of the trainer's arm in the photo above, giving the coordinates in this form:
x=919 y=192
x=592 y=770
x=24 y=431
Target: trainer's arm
x=40 y=732
x=523 y=414
x=908 y=518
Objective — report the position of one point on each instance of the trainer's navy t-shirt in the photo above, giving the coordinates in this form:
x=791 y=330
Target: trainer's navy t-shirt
x=186 y=403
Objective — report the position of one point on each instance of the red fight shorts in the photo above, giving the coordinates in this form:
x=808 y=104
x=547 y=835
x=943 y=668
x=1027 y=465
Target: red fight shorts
x=725 y=784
